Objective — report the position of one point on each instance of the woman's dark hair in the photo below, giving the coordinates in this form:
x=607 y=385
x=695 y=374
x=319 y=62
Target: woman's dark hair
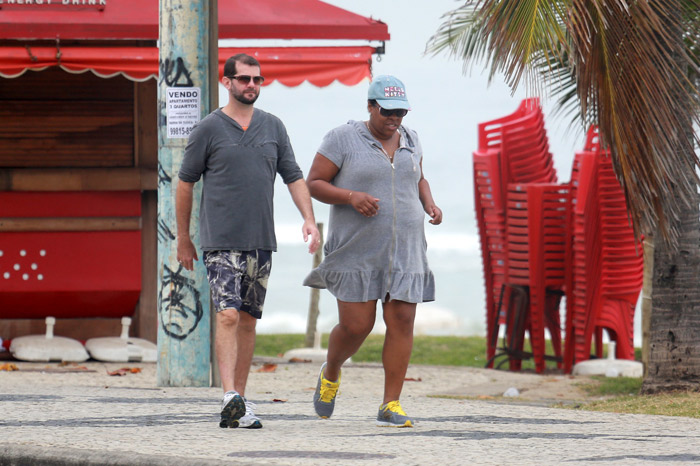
x=230 y=65
x=372 y=102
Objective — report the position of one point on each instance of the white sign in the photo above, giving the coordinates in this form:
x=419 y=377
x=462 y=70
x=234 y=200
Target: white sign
x=183 y=107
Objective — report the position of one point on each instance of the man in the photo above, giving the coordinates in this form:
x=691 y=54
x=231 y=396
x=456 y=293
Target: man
x=238 y=150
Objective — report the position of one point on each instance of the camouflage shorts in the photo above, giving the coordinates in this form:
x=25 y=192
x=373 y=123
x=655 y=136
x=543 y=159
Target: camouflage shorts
x=238 y=279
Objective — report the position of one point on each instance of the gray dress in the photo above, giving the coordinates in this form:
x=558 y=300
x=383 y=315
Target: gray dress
x=367 y=258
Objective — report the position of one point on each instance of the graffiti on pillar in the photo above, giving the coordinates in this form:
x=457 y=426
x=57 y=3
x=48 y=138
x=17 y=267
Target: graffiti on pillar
x=179 y=304
x=163 y=177
x=165 y=233
x=175 y=73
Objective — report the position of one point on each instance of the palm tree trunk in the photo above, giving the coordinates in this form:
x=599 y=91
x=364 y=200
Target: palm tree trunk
x=674 y=334
x=674 y=340
x=646 y=299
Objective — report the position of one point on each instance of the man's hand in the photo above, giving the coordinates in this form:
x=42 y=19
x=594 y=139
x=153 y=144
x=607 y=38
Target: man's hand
x=311 y=235
x=186 y=253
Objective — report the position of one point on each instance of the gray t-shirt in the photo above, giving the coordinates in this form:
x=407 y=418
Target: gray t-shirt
x=238 y=170
x=367 y=258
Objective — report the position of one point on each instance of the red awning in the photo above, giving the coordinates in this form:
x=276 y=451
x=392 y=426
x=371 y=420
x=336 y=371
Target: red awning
x=289 y=65
x=138 y=20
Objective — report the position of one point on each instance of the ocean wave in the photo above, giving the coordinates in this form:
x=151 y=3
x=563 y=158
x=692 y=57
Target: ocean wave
x=466 y=243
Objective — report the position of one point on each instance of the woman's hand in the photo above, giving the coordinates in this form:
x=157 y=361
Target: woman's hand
x=364 y=203
x=435 y=214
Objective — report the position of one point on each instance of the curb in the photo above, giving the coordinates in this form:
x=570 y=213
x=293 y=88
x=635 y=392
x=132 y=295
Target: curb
x=14 y=455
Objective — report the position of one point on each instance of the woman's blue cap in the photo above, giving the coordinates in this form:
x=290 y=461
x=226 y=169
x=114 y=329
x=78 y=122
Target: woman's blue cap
x=389 y=92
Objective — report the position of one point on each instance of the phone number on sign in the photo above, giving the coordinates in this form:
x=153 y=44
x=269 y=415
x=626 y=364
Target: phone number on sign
x=179 y=131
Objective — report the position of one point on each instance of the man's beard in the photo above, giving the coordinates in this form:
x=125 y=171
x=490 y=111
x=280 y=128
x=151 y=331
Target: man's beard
x=245 y=100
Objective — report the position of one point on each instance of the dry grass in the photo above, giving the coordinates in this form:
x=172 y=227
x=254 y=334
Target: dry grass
x=622 y=395
x=685 y=404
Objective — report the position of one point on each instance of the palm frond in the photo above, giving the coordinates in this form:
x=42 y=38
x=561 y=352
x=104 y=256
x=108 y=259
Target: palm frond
x=631 y=72
x=509 y=35
x=560 y=76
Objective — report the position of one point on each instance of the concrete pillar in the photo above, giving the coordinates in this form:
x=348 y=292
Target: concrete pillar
x=184 y=356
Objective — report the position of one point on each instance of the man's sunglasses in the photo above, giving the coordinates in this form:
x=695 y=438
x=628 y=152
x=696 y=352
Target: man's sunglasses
x=245 y=79
x=399 y=112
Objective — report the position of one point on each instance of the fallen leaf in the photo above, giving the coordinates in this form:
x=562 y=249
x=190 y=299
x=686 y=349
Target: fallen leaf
x=70 y=366
x=279 y=400
x=66 y=363
x=299 y=360
x=268 y=367
x=411 y=379
x=133 y=370
x=8 y=367
x=119 y=372
x=485 y=397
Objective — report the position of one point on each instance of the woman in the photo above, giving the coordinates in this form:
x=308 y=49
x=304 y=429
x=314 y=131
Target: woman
x=371 y=173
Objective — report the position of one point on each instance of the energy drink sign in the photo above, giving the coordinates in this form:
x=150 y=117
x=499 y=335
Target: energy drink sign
x=17 y=4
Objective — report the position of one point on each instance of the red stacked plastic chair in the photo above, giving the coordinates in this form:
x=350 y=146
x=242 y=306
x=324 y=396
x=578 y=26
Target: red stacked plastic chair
x=512 y=149
x=525 y=156
x=622 y=265
x=491 y=222
x=538 y=251
x=606 y=277
x=585 y=268
x=490 y=214
x=490 y=132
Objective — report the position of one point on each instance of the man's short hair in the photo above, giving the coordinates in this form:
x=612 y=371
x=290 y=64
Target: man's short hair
x=230 y=65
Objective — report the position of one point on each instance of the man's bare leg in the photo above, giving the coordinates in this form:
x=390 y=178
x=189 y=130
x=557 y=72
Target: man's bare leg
x=246 y=348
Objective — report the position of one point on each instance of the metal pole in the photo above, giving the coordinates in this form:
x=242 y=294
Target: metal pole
x=311 y=323
x=183 y=98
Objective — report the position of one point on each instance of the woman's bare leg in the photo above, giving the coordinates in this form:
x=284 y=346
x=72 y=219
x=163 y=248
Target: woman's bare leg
x=355 y=321
x=399 y=317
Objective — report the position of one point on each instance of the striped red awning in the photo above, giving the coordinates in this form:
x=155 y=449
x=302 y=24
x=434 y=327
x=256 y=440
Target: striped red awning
x=290 y=66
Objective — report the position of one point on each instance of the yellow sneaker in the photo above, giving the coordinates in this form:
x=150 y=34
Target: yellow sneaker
x=324 y=396
x=392 y=415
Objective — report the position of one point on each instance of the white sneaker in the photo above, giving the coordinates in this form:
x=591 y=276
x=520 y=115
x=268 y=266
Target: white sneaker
x=232 y=408
x=249 y=420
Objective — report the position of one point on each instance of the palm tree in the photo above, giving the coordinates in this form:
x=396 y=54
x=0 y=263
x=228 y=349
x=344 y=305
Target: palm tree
x=630 y=67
